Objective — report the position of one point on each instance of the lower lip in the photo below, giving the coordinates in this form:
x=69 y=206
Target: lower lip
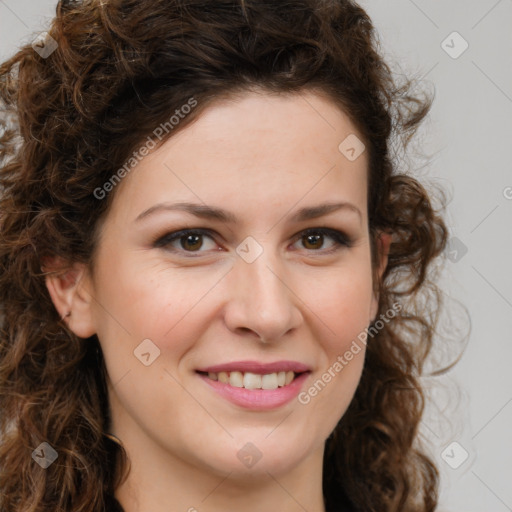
x=258 y=399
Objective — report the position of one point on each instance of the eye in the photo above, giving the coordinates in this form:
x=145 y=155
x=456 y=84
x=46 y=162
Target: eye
x=314 y=238
x=192 y=240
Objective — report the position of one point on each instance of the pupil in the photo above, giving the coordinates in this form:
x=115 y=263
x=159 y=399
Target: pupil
x=311 y=237
x=195 y=244
x=191 y=237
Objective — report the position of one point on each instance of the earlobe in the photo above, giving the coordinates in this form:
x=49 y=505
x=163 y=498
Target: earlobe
x=67 y=287
x=383 y=243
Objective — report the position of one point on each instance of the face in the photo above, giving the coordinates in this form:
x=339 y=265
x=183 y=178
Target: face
x=266 y=282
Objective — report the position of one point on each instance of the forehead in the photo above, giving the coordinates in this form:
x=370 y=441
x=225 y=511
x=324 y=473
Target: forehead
x=256 y=152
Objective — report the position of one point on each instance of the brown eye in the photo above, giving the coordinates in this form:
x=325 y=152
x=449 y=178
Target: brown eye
x=189 y=241
x=313 y=239
x=194 y=240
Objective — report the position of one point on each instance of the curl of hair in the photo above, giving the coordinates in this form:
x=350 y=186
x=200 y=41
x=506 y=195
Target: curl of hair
x=70 y=120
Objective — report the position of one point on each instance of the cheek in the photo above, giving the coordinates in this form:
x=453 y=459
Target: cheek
x=175 y=307
x=171 y=305
x=343 y=306
x=343 y=303
x=140 y=300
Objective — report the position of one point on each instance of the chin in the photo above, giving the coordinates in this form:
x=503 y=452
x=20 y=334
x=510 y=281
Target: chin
x=244 y=458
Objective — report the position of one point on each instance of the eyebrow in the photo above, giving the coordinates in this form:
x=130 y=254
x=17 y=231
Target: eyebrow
x=212 y=213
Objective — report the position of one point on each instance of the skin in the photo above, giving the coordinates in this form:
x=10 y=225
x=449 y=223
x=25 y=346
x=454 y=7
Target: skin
x=261 y=157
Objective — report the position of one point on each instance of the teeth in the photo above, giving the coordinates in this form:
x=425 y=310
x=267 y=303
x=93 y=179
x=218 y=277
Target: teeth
x=250 y=380
x=236 y=379
x=269 y=381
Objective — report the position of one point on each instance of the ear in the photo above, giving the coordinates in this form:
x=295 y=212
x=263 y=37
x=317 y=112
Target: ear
x=69 y=290
x=383 y=243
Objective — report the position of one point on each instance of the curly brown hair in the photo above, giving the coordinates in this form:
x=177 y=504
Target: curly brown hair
x=71 y=119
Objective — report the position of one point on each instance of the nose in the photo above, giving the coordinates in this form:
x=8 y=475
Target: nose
x=261 y=300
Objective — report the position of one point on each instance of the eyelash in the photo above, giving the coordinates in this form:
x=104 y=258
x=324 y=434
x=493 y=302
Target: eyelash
x=340 y=239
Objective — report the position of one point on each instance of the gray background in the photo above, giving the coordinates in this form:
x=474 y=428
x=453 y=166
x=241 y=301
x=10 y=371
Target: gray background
x=466 y=148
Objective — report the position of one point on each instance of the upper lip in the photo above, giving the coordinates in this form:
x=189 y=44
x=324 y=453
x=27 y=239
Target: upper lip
x=257 y=367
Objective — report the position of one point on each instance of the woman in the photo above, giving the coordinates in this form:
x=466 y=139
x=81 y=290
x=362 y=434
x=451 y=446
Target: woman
x=213 y=277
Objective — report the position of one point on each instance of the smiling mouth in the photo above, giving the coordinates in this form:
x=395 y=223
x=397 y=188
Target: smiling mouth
x=250 y=380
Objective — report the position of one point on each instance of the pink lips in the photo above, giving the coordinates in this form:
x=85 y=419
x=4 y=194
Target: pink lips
x=257 y=367
x=258 y=399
